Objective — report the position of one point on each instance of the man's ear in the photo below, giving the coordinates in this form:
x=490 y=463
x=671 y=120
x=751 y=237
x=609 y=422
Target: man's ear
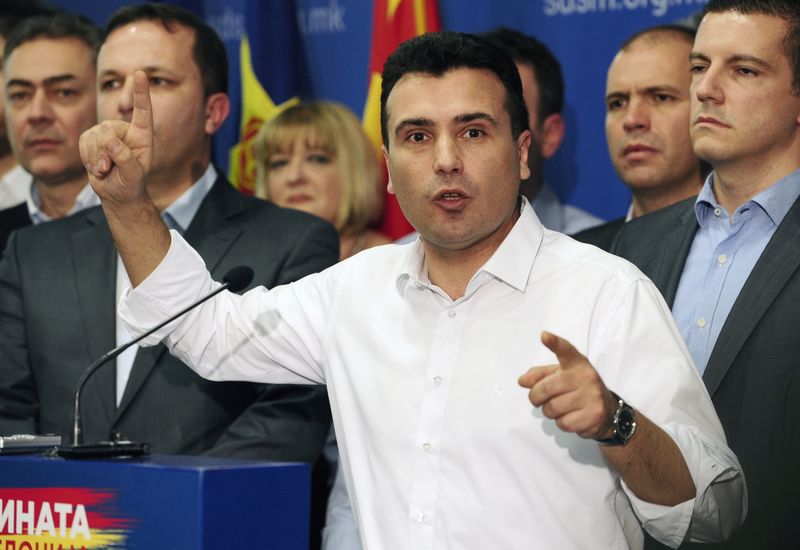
x=523 y=148
x=552 y=134
x=389 y=185
x=218 y=107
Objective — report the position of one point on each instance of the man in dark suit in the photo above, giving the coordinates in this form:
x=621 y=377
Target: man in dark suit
x=728 y=263
x=647 y=125
x=50 y=90
x=60 y=282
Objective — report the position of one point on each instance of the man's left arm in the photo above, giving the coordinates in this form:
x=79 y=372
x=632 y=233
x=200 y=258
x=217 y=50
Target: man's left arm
x=681 y=479
x=573 y=394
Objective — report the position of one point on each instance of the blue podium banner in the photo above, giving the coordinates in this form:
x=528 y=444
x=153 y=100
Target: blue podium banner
x=164 y=502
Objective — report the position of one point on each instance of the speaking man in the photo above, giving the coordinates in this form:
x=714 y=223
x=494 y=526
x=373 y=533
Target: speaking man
x=426 y=347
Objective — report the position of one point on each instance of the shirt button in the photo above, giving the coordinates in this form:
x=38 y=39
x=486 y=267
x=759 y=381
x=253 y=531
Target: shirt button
x=419 y=286
x=437 y=380
x=426 y=447
x=451 y=313
x=717 y=212
x=701 y=322
x=420 y=517
x=722 y=258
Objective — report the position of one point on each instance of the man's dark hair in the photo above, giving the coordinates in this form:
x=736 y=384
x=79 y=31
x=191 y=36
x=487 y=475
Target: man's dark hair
x=788 y=10
x=662 y=32
x=437 y=53
x=61 y=25
x=527 y=50
x=208 y=52
x=13 y=12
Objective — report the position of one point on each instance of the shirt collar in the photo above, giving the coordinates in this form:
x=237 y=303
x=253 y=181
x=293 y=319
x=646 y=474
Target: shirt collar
x=511 y=263
x=85 y=199
x=775 y=200
x=183 y=209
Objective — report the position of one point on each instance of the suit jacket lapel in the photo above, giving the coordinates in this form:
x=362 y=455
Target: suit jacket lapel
x=211 y=236
x=94 y=266
x=675 y=248
x=779 y=261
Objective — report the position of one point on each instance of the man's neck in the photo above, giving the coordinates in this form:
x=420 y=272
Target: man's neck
x=530 y=187
x=57 y=199
x=452 y=270
x=7 y=163
x=165 y=187
x=735 y=185
x=646 y=202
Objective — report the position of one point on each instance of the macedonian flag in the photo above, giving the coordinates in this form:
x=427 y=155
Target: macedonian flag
x=273 y=76
x=394 y=21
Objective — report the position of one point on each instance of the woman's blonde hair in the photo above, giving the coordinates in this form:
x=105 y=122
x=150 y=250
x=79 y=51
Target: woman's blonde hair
x=335 y=129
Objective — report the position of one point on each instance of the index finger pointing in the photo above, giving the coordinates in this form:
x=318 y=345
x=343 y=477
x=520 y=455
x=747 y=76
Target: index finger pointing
x=142 y=109
x=565 y=352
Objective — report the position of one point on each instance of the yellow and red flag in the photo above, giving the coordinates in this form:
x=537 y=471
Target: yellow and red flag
x=394 y=21
x=273 y=76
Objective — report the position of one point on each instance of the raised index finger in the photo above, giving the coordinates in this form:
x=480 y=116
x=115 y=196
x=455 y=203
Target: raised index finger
x=565 y=352
x=142 y=110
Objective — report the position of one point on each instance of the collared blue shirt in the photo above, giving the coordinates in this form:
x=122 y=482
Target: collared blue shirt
x=725 y=249
x=180 y=213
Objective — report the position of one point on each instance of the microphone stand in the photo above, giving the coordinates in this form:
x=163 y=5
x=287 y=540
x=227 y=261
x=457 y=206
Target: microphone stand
x=235 y=279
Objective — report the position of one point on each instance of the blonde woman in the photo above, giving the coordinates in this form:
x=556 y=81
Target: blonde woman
x=315 y=157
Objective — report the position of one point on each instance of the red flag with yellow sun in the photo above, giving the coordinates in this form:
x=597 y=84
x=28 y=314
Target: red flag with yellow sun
x=394 y=21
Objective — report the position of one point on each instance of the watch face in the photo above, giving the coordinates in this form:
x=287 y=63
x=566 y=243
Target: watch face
x=626 y=422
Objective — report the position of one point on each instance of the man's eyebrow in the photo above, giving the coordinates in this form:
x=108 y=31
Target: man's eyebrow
x=416 y=122
x=149 y=70
x=49 y=81
x=735 y=58
x=471 y=117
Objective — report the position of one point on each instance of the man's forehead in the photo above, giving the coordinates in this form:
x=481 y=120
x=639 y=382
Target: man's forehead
x=465 y=85
x=650 y=61
x=53 y=56
x=148 y=42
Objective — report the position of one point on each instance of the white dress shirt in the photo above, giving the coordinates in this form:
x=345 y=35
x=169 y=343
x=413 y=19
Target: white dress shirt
x=15 y=186
x=180 y=215
x=439 y=445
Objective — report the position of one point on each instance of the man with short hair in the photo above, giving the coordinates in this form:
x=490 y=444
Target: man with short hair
x=543 y=91
x=60 y=282
x=50 y=93
x=728 y=262
x=647 y=125
x=422 y=345
x=15 y=182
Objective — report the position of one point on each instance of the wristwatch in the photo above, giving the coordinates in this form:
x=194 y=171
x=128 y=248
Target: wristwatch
x=623 y=424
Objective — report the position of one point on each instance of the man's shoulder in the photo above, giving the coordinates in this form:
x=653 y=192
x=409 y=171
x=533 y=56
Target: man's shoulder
x=566 y=254
x=601 y=236
x=576 y=219
x=641 y=232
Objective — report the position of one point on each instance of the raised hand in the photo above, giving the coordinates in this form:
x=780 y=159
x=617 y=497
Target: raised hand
x=571 y=392
x=118 y=154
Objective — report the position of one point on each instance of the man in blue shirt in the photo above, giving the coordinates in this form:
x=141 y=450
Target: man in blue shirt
x=728 y=262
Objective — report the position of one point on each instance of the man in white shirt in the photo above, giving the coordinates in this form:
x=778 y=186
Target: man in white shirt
x=50 y=99
x=422 y=346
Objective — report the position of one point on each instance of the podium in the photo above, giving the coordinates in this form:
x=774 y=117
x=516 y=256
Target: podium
x=156 y=502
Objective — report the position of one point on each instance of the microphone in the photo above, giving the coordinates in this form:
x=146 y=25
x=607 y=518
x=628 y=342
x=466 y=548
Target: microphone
x=234 y=280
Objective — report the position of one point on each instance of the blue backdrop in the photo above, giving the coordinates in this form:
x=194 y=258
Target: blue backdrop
x=334 y=41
